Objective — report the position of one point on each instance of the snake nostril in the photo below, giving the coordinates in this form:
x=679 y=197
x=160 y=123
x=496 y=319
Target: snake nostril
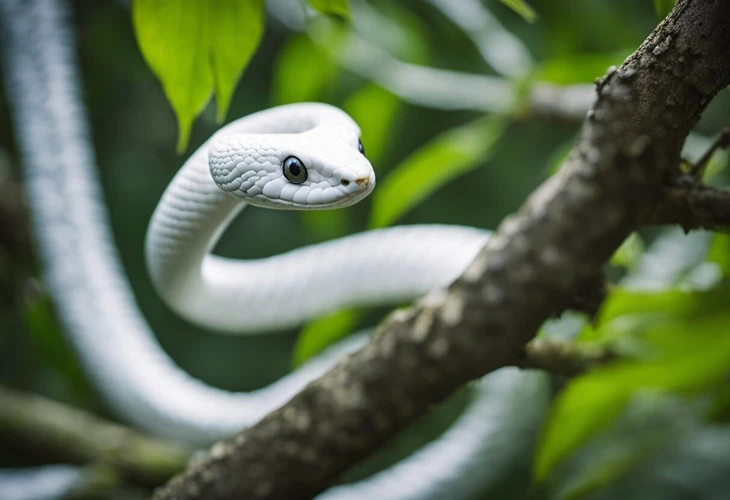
x=363 y=182
x=345 y=182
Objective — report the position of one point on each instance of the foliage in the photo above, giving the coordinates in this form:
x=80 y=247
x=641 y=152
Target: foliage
x=323 y=332
x=653 y=334
x=629 y=252
x=332 y=7
x=452 y=153
x=719 y=253
x=197 y=48
x=668 y=341
x=641 y=422
x=522 y=8
x=684 y=348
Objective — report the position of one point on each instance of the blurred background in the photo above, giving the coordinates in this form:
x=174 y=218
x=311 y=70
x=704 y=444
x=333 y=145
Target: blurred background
x=485 y=155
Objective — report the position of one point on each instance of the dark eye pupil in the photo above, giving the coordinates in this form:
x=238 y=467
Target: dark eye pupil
x=360 y=147
x=294 y=170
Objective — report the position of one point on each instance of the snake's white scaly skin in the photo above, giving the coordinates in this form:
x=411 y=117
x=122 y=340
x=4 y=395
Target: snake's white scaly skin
x=376 y=267
x=97 y=307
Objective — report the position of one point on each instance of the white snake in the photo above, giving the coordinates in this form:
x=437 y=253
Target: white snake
x=248 y=159
x=245 y=163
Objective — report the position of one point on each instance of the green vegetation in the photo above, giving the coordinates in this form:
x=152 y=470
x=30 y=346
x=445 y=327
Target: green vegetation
x=649 y=418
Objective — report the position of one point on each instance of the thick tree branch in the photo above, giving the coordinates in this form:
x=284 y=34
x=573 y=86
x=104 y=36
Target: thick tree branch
x=537 y=259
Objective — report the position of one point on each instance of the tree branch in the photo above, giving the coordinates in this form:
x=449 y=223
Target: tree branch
x=589 y=296
x=563 y=358
x=536 y=260
x=721 y=142
x=692 y=205
x=75 y=436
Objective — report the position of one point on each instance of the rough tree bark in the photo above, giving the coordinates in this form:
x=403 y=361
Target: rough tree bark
x=628 y=150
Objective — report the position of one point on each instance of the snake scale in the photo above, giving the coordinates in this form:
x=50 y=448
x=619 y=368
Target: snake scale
x=303 y=156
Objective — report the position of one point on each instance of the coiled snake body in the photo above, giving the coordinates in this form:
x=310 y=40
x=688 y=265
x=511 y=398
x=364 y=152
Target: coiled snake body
x=299 y=156
x=247 y=162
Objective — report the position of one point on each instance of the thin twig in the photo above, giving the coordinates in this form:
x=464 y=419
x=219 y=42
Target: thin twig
x=722 y=141
x=563 y=358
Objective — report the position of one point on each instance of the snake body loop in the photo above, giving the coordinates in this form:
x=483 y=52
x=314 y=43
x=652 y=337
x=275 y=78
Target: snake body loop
x=96 y=304
x=246 y=160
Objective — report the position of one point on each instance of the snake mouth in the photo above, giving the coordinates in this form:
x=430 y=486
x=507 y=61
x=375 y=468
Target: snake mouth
x=357 y=190
x=291 y=205
x=364 y=186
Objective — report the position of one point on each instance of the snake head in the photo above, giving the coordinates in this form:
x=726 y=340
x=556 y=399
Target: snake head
x=320 y=168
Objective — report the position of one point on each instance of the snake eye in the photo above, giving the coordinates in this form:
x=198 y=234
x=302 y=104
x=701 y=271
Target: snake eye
x=360 y=147
x=294 y=170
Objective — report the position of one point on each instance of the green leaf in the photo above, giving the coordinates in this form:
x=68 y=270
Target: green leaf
x=323 y=332
x=687 y=357
x=650 y=426
x=236 y=28
x=303 y=72
x=679 y=343
x=627 y=313
x=629 y=252
x=680 y=304
x=196 y=48
x=374 y=109
x=588 y=404
x=452 y=153
x=663 y=7
x=338 y=8
x=522 y=8
x=719 y=252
